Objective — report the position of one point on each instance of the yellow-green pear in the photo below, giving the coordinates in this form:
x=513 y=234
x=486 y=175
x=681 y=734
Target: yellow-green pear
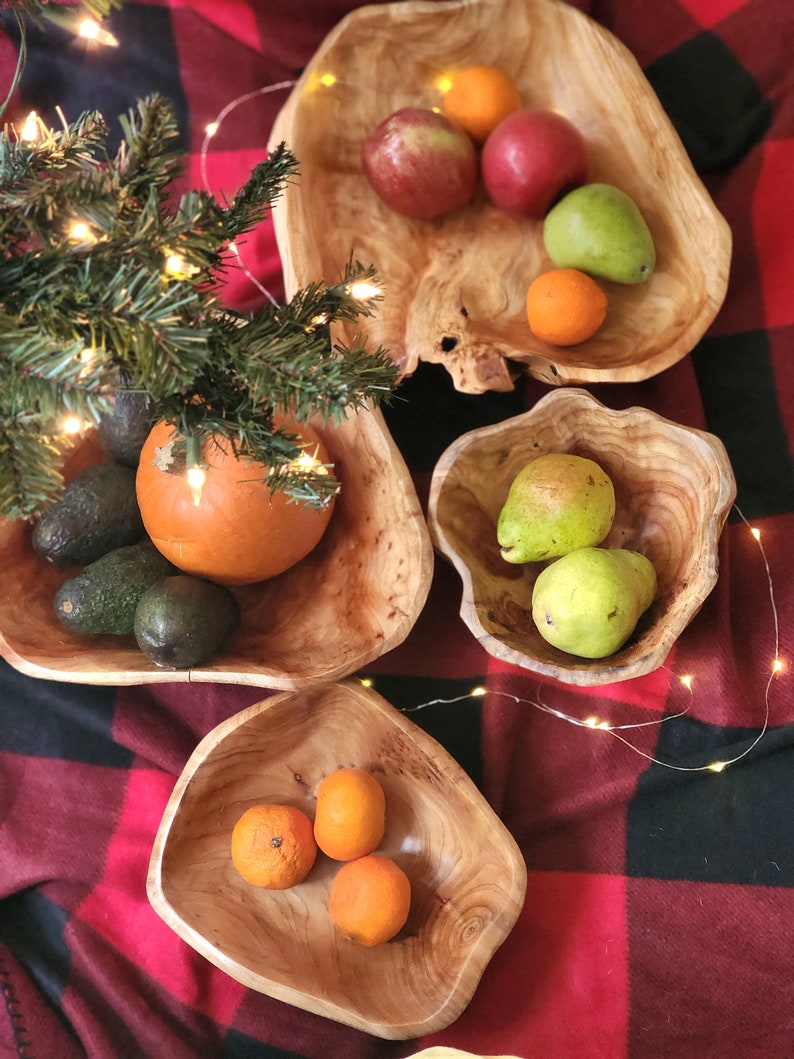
x=599 y=229
x=588 y=602
x=556 y=503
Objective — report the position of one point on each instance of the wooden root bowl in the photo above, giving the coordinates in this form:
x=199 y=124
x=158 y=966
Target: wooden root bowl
x=455 y=288
x=467 y=874
x=674 y=487
x=354 y=597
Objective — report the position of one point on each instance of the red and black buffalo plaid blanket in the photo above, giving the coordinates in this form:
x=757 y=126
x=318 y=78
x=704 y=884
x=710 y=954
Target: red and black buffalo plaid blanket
x=658 y=921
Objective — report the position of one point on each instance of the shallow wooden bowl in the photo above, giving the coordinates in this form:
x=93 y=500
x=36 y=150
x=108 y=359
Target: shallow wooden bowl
x=674 y=488
x=455 y=288
x=467 y=874
x=356 y=596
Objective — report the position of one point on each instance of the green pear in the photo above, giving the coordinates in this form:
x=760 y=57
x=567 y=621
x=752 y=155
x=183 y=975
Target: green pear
x=556 y=503
x=597 y=228
x=588 y=602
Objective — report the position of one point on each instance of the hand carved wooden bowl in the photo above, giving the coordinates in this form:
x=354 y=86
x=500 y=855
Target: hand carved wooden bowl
x=354 y=597
x=467 y=874
x=674 y=489
x=455 y=288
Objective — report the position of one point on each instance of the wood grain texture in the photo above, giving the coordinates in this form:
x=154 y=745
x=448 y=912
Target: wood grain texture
x=467 y=874
x=674 y=487
x=463 y=278
x=354 y=597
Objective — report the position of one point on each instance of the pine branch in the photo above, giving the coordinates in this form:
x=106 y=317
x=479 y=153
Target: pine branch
x=81 y=309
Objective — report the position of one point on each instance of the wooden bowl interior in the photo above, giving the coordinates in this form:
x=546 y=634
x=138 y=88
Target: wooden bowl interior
x=468 y=877
x=455 y=287
x=354 y=597
x=674 y=488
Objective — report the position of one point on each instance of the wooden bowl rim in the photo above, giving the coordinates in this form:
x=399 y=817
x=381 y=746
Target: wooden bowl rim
x=628 y=663
x=432 y=1013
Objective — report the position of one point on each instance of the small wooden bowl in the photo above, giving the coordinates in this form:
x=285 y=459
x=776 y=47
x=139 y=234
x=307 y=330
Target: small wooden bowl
x=455 y=288
x=467 y=874
x=354 y=597
x=674 y=488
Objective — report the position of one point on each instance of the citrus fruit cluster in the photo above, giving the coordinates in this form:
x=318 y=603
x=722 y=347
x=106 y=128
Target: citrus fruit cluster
x=275 y=846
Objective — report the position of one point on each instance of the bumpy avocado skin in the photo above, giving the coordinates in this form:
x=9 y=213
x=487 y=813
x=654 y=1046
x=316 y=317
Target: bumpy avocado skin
x=97 y=512
x=122 y=432
x=182 y=621
x=103 y=596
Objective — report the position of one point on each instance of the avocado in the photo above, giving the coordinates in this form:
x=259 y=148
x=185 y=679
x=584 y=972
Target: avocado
x=182 y=620
x=102 y=597
x=97 y=512
x=122 y=432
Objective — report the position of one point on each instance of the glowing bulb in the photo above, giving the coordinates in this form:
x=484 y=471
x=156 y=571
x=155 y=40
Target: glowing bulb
x=212 y=128
x=444 y=83
x=327 y=80
x=30 y=130
x=80 y=232
x=605 y=726
x=777 y=666
x=174 y=264
x=591 y=722
x=72 y=425
x=196 y=477
x=477 y=693
x=717 y=766
x=91 y=30
x=756 y=533
x=687 y=682
x=362 y=290
x=366 y=682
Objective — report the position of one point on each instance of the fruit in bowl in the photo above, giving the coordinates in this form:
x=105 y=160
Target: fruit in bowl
x=531 y=159
x=420 y=163
x=455 y=290
x=674 y=487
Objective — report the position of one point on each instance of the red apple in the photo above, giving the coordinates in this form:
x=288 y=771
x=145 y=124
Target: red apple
x=531 y=159
x=420 y=163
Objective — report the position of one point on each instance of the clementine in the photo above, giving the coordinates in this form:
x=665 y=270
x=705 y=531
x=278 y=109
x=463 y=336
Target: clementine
x=565 y=306
x=350 y=817
x=273 y=846
x=233 y=531
x=370 y=899
x=479 y=97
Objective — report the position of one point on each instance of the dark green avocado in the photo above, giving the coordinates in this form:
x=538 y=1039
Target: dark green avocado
x=97 y=512
x=182 y=620
x=103 y=596
x=122 y=432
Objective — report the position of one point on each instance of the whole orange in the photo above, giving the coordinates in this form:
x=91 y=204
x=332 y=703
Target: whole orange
x=350 y=817
x=234 y=531
x=565 y=306
x=273 y=846
x=370 y=899
x=479 y=97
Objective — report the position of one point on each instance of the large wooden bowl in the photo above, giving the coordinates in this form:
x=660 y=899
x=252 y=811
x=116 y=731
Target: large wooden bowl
x=356 y=596
x=455 y=288
x=467 y=875
x=674 y=488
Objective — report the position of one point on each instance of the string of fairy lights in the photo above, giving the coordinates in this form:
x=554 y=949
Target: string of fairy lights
x=174 y=265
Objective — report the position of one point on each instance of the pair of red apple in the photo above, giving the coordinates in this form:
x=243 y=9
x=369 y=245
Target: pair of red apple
x=423 y=165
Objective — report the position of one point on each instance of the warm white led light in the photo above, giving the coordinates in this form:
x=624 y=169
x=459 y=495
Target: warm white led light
x=80 y=231
x=30 y=130
x=72 y=425
x=362 y=290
